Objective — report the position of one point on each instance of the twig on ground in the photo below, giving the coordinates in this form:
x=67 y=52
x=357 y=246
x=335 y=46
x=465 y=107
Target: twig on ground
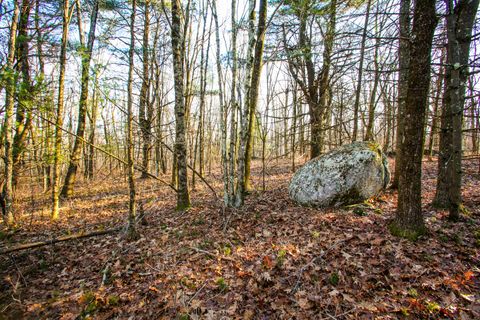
x=59 y=239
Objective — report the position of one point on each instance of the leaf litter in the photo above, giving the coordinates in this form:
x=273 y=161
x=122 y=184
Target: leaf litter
x=271 y=259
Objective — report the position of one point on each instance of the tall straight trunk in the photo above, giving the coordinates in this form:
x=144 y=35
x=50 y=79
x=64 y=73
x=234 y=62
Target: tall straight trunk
x=145 y=124
x=233 y=110
x=244 y=183
x=57 y=155
x=254 y=88
x=8 y=210
x=473 y=126
x=47 y=152
x=403 y=64
x=370 y=135
x=199 y=139
x=132 y=233
x=223 y=117
x=285 y=123
x=178 y=48
x=322 y=111
x=356 y=105
x=294 y=127
x=201 y=124
x=389 y=115
x=408 y=221
x=460 y=21
x=436 y=103
x=23 y=117
x=90 y=165
x=86 y=53
x=244 y=125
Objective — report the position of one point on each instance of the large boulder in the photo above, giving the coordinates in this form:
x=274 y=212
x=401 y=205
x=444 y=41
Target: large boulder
x=349 y=174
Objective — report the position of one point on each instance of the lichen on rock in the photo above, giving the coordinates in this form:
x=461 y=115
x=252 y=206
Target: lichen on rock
x=349 y=174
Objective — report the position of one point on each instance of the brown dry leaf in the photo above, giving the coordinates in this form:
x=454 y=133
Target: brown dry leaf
x=304 y=304
x=248 y=314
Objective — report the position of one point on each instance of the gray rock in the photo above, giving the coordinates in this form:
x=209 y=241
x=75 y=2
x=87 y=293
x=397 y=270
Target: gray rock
x=349 y=174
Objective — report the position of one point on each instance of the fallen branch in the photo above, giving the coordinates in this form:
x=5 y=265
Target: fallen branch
x=81 y=235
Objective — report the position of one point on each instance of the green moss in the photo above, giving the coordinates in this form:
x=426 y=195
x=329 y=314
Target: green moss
x=407 y=233
x=334 y=279
x=113 y=300
x=281 y=257
x=433 y=307
x=183 y=207
x=412 y=293
x=221 y=284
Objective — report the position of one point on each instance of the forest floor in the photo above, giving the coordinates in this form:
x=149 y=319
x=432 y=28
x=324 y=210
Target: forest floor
x=272 y=259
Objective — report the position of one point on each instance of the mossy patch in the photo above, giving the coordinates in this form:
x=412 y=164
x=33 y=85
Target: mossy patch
x=407 y=233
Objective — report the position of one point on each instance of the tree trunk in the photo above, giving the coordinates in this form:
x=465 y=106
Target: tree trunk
x=23 y=115
x=90 y=165
x=244 y=119
x=7 y=196
x=223 y=114
x=132 y=233
x=60 y=109
x=178 y=48
x=145 y=124
x=86 y=53
x=403 y=64
x=252 y=100
x=436 y=103
x=408 y=220
x=460 y=21
x=370 y=135
x=360 y=73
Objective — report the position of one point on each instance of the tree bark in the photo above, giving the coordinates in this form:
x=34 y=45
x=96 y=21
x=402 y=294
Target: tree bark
x=59 y=116
x=460 y=20
x=252 y=100
x=403 y=64
x=409 y=220
x=23 y=117
x=7 y=196
x=132 y=233
x=144 y=115
x=86 y=54
x=183 y=197
x=360 y=73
